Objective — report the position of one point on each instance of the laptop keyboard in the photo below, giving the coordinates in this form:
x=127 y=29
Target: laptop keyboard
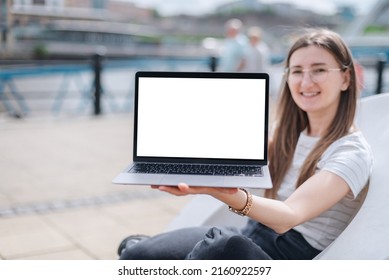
x=197 y=169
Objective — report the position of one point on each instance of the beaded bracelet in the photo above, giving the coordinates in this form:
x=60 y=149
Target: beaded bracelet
x=245 y=211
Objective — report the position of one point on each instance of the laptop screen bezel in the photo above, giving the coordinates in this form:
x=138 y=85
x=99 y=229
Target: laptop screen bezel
x=172 y=74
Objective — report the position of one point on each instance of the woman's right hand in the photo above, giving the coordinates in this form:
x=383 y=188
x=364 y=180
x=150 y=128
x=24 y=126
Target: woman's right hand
x=184 y=189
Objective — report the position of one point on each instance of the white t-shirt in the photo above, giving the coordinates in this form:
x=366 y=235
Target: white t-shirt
x=349 y=157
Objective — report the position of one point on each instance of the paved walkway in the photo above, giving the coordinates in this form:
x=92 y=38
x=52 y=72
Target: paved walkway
x=56 y=196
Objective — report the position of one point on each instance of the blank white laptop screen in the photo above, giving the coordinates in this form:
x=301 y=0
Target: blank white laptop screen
x=212 y=118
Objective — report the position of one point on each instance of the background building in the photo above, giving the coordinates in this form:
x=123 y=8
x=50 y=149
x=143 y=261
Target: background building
x=78 y=25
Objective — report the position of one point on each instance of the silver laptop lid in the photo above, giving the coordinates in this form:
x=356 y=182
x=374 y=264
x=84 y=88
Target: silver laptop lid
x=201 y=117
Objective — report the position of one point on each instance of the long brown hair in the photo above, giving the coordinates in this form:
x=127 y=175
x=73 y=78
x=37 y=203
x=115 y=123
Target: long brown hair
x=291 y=120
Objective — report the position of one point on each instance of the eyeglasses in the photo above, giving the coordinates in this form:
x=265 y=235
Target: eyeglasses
x=317 y=74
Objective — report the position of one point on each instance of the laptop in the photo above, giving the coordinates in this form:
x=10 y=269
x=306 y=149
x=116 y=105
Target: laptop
x=200 y=128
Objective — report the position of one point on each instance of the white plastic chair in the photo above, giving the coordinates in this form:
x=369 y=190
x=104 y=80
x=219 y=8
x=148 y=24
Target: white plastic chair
x=367 y=236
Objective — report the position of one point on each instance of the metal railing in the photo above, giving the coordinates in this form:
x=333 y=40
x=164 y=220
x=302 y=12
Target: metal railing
x=59 y=80
x=88 y=82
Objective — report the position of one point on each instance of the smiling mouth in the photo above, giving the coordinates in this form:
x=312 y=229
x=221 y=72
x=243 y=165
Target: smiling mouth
x=309 y=94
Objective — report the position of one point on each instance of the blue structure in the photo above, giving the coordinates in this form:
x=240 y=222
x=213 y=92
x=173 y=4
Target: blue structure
x=369 y=35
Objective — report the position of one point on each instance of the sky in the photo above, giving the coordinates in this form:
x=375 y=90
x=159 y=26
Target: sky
x=168 y=7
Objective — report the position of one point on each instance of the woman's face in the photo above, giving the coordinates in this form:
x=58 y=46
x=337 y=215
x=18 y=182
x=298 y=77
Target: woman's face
x=316 y=81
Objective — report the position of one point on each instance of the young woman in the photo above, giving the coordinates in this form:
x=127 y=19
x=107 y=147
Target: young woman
x=320 y=165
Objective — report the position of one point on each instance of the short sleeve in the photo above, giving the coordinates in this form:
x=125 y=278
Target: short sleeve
x=350 y=158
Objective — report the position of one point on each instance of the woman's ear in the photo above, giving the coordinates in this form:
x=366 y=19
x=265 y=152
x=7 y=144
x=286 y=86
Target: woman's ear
x=346 y=80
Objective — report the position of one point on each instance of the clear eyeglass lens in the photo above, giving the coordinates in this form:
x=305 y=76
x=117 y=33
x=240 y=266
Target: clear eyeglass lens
x=317 y=75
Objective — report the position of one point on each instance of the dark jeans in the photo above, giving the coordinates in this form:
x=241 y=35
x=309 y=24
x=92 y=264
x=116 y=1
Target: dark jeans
x=254 y=242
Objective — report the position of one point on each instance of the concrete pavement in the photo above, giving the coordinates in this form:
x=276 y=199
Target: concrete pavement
x=56 y=196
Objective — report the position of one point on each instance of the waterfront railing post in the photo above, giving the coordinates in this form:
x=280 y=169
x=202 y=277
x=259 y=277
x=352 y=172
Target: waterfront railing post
x=380 y=72
x=97 y=67
x=213 y=63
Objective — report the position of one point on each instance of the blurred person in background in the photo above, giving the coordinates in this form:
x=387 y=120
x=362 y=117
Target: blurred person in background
x=257 y=54
x=232 y=53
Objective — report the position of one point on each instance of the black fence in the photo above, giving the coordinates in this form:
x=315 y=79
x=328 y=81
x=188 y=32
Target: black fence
x=80 y=86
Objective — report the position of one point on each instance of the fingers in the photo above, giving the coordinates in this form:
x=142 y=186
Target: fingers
x=185 y=189
x=182 y=189
x=169 y=189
